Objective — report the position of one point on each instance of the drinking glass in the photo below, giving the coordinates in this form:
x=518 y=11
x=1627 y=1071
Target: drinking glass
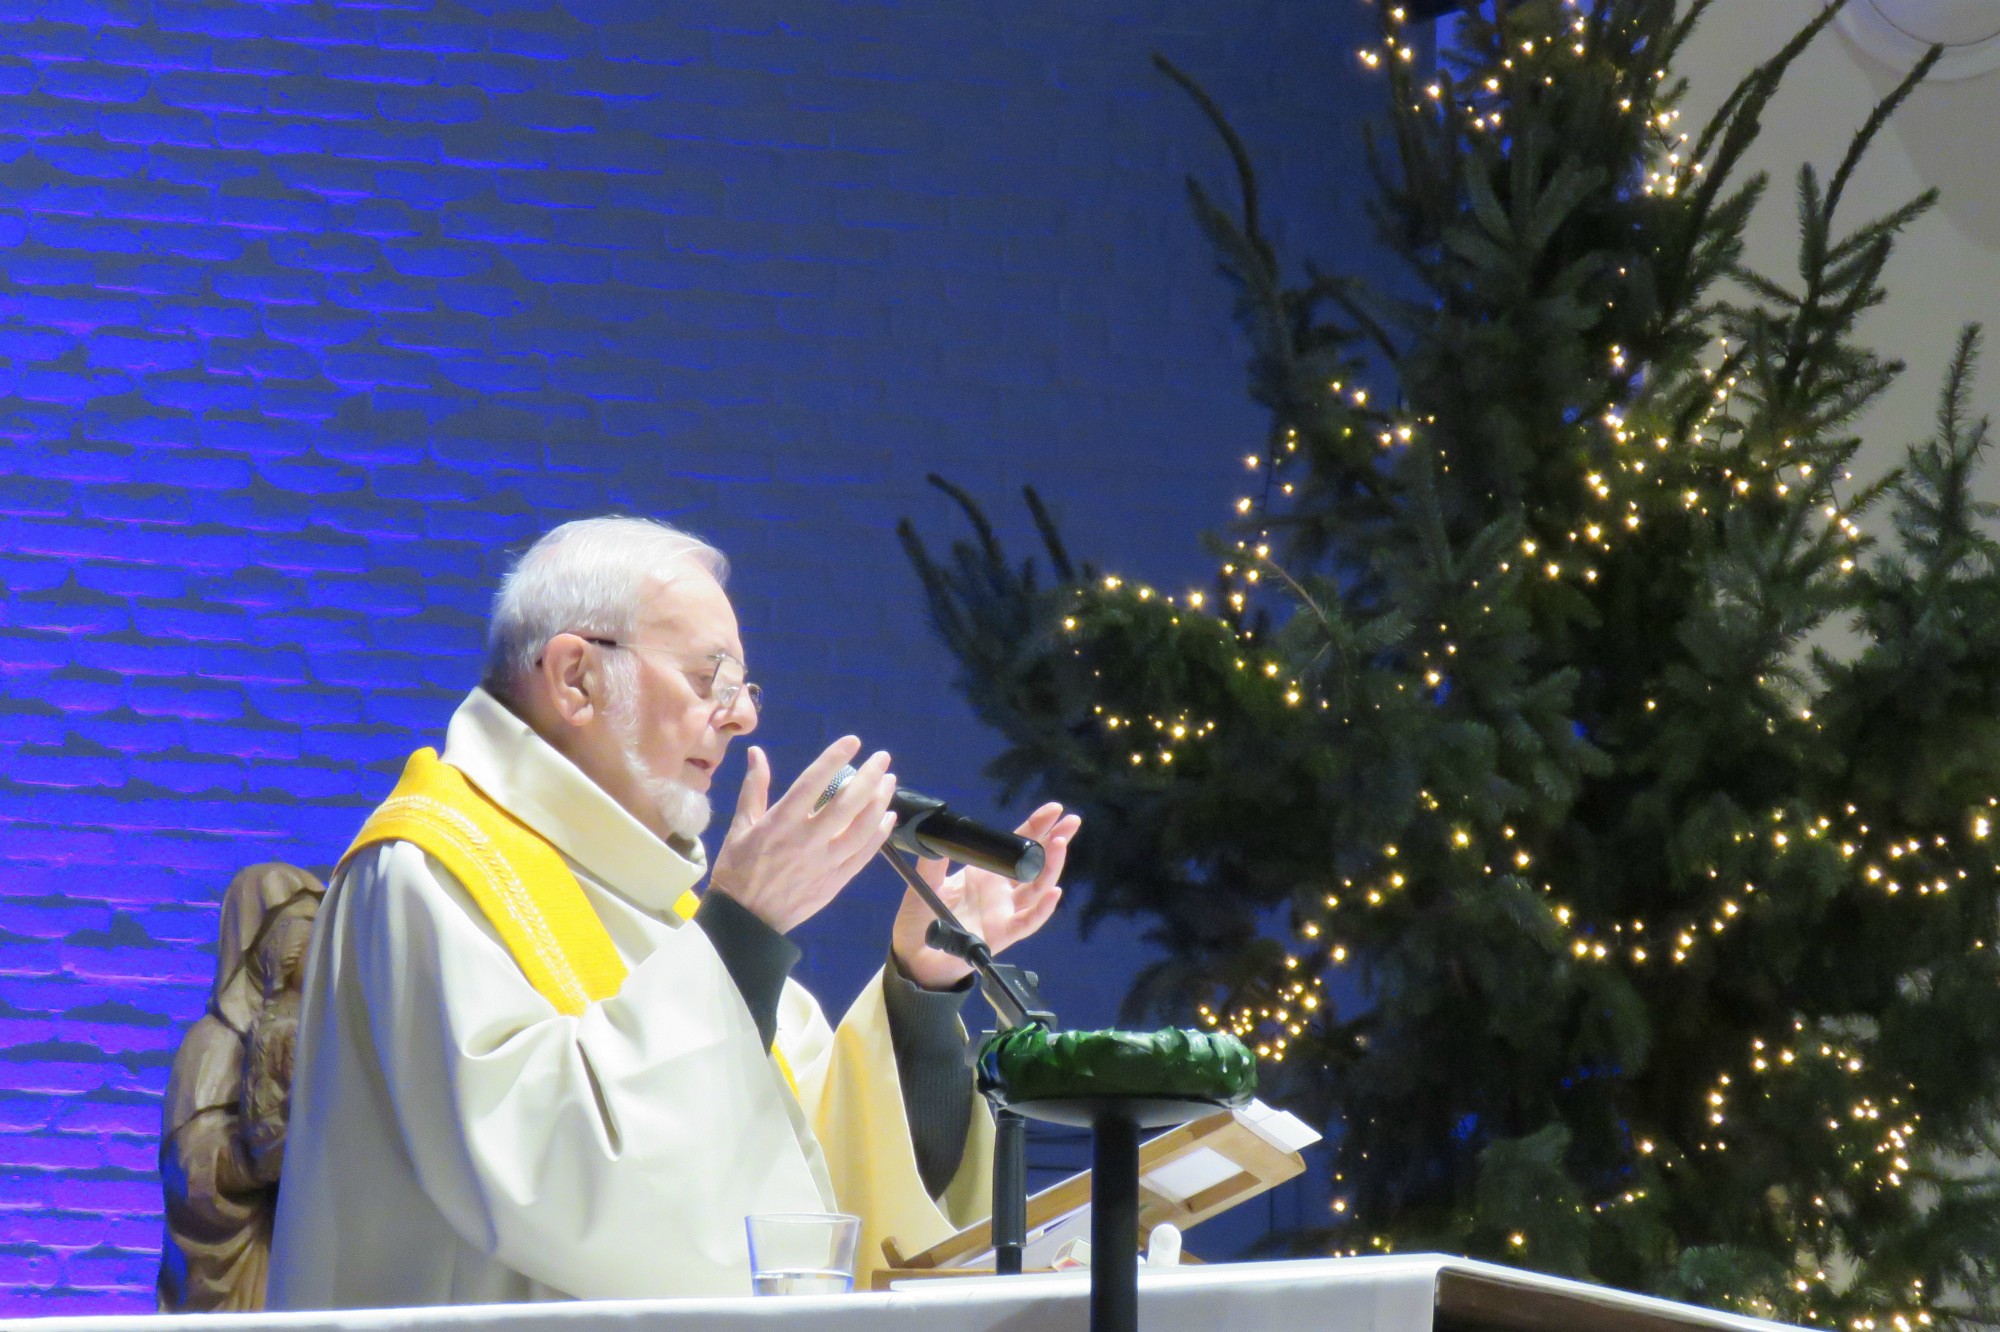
x=802 y=1253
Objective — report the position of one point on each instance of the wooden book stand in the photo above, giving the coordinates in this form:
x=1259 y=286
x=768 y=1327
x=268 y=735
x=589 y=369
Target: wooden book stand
x=1186 y=1175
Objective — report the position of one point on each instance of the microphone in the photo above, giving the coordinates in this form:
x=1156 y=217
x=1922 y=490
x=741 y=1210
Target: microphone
x=926 y=827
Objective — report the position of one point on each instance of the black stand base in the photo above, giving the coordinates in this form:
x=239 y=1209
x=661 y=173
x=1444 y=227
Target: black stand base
x=1114 y=1224
x=1114 y=1122
x=1010 y=1191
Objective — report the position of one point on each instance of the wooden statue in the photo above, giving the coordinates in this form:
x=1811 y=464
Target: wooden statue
x=222 y=1137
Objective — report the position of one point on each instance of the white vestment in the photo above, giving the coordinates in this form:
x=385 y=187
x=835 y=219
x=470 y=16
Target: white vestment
x=454 y=1139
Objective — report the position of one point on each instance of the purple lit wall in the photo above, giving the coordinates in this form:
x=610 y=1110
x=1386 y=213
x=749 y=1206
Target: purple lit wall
x=310 y=311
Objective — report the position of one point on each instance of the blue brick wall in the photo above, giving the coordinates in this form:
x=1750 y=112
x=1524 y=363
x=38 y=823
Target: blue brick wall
x=310 y=311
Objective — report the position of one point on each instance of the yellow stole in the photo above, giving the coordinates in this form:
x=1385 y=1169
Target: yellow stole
x=518 y=879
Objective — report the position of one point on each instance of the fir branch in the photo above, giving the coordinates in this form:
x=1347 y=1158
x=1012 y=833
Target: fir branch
x=1052 y=540
x=1877 y=118
x=1730 y=132
x=1246 y=178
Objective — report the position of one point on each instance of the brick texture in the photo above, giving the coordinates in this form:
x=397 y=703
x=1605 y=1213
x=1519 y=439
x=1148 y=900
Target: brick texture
x=311 y=312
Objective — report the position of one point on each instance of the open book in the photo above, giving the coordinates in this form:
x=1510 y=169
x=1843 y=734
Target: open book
x=1186 y=1175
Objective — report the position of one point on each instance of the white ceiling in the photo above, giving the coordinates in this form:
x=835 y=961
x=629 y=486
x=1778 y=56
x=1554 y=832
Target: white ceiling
x=1899 y=31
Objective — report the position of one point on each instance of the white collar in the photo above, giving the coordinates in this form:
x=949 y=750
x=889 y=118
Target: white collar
x=526 y=776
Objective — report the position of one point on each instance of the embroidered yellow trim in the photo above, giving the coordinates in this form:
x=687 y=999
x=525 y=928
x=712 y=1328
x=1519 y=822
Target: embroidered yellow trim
x=519 y=881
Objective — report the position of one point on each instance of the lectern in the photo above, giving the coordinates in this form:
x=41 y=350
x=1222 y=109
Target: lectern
x=1414 y=1293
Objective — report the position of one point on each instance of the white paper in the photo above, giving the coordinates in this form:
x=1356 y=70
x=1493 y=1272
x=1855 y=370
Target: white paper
x=1281 y=1128
x=1185 y=1176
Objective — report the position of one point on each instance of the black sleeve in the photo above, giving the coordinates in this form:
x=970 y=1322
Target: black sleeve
x=931 y=1064
x=757 y=957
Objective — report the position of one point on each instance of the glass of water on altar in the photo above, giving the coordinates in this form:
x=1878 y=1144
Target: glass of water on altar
x=802 y=1253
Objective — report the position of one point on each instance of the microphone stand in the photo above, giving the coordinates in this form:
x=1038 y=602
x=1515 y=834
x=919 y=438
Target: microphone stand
x=1015 y=999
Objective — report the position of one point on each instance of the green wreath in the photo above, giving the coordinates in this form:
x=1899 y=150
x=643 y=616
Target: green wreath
x=1032 y=1063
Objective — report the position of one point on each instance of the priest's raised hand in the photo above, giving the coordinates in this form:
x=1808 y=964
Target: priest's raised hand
x=784 y=862
x=998 y=910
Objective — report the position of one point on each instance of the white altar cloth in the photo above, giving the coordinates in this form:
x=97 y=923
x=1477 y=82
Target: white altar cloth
x=1400 y=1293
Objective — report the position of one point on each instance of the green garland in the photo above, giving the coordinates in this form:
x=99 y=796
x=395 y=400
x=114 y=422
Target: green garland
x=1032 y=1063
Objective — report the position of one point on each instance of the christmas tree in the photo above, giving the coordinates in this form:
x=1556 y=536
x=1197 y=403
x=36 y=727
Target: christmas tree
x=1624 y=930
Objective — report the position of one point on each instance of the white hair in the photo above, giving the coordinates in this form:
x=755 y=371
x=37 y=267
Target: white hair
x=584 y=577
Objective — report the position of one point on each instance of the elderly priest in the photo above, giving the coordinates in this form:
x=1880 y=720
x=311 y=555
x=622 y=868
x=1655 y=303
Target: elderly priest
x=532 y=1063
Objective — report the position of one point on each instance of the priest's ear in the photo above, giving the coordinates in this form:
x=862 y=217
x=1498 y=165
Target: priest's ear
x=570 y=680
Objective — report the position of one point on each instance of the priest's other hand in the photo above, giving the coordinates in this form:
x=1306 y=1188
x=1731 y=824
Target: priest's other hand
x=784 y=862
x=996 y=909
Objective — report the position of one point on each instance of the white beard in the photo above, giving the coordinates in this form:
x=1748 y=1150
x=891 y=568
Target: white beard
x=683 y=810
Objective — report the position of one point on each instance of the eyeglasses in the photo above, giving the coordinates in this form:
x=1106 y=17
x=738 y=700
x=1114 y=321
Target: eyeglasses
x=717 y=689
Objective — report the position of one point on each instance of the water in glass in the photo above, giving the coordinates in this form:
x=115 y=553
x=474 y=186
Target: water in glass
x=803 y=1281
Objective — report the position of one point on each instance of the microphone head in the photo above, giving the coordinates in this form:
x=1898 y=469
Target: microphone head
x=840 y=779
